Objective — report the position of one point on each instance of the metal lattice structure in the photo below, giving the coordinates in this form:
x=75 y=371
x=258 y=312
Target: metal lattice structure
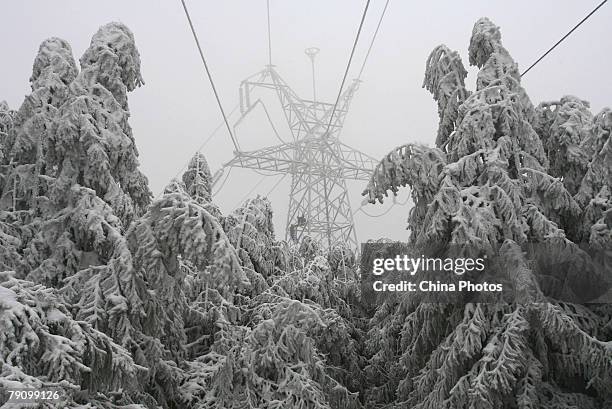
x=317 y=161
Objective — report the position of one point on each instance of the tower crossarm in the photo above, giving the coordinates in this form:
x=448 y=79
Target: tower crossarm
x=312 y=155
x=356 y=165
x=304 y=117
x=274 y=159
x=339 y=114
x=294 y=108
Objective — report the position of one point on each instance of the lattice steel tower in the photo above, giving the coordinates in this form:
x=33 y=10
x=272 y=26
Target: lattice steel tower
x=317 y=161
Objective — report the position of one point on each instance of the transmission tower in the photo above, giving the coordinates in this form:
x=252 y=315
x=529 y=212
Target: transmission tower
x=319 y=164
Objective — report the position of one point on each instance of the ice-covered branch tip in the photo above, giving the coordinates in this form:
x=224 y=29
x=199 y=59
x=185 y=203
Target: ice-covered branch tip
x=6 y=118
x=445 y=79
x=53 y=62
x=197 y=179
x=485 y=40
x=443 y=66
x=114 y=51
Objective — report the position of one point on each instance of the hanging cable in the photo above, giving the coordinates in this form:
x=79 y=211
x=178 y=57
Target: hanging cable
x=348 y=65
x=382 y=15
x=272 y=123
x=269 y=34
x=248 y=111
x=216 y=130
x=276 y=184
x=251 y=191
x=360 y=209
x=199 y=149
x=195 y=36
x=266 y=173
x=564 y=37
x=223 y=183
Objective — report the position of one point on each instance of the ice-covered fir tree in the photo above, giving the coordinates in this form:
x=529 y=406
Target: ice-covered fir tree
x=488 y=186
x=7 y=117
x=251 y=232
x=27 y=186
x=92 y=143
x=197 y=182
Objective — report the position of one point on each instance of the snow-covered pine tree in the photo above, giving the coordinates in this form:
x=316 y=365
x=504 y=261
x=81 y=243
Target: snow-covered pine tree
x=53 y=71
x=92 y=143
x=251 y=232
x=316 y=283
x=176 y=228
x=7 y=117
x=563 y=127
x=289 y=353
x=24 y=144
x=175 y=186
x=342 y=262
x=90 y=146
x=10 y=235
x=595 y=191
x=487 y=187
x=276 y=341
x=445 y=79
x=274 y=364
x=197 y=181
x=23 y=149
x=10 y=241
x=75 y=242
x=43 y=346
x=308 y=248
x=23 y=137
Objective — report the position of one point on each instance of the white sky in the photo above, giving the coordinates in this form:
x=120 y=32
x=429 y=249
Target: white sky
x=175 y=111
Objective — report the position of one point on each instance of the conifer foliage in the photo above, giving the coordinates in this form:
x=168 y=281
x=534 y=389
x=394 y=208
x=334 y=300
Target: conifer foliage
x=124 y=302
x=503 y=174
x=121 y=301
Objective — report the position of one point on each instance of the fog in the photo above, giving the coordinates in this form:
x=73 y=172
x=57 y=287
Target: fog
x=175 y=111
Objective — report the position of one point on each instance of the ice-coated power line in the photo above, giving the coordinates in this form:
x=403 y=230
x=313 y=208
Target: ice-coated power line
x=199 y=149
x=276 y=184
x=348 y=65
x=360 y=209
x=264 y=177
x=212 y=83
x=222 y=183
x=564 y=37
x=269 y=34
x=382 y=15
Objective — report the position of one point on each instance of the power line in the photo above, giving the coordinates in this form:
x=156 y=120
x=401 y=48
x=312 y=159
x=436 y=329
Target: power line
x=195 y=36
x=276 y=184
x=564 y=37
x=222 y=183
x=267 y=173
x=382 y=15
x=216 y=130
x=252 y=107
x=331 y=117
x=360 y=208
x=269 y=34
x=202 y=146
x=251 y=191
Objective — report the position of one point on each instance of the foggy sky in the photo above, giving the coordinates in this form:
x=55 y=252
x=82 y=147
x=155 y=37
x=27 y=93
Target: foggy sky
x=175 y=111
